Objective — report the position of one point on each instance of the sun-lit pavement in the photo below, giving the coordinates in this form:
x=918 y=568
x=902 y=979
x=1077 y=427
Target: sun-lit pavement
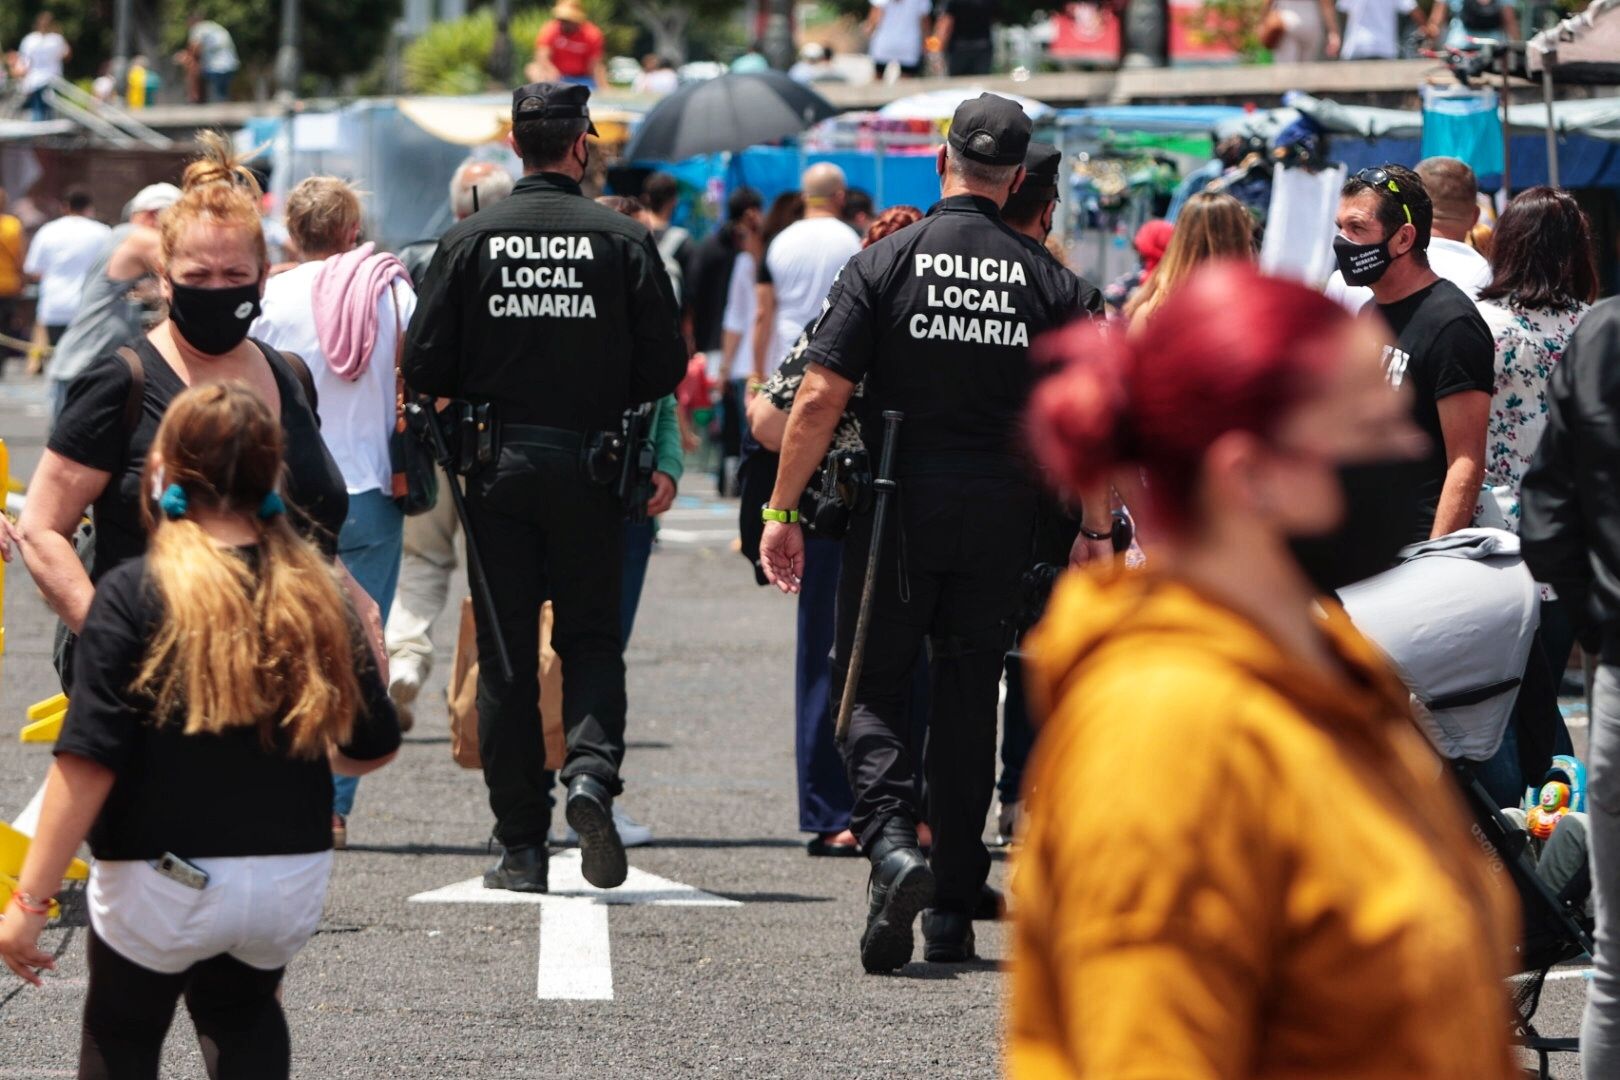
x=730 y=954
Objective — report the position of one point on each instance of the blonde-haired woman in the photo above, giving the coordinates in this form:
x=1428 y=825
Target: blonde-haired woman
x=344 y=310
x=199 y=763
x=1211 y=226
x=212 y=271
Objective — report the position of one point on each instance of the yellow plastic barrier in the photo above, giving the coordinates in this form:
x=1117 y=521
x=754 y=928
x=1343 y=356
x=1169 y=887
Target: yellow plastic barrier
x=13 y=850
x=45 y=720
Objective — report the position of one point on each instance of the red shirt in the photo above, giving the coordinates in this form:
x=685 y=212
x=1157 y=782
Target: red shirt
x=573 y=52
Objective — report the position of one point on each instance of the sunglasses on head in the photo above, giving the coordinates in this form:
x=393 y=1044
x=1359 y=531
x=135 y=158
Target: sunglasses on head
x=1380 y=178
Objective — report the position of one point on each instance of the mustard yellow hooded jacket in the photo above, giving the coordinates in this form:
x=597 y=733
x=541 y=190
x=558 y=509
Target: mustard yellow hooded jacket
x=1235 y=866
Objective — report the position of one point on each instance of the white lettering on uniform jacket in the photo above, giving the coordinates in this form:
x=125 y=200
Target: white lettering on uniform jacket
x=534 y=291
x=979 y=295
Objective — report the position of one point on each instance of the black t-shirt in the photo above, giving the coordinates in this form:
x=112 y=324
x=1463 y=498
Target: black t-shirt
x=974 y=19
x=91 y=432
x=938 y=319
x=706 y=287
x=1442 y=347
x=198 y=796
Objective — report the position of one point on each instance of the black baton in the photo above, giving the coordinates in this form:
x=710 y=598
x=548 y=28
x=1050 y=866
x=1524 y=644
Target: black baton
x=886 y=486
x=424 y=418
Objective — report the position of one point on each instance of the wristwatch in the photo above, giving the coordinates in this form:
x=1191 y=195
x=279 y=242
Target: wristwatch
x=785 y=517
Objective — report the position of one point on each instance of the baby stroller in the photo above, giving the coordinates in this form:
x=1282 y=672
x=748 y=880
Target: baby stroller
x=1432 y=615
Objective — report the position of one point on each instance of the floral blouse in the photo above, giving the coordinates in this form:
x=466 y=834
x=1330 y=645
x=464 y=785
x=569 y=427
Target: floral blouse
x=1529 y=343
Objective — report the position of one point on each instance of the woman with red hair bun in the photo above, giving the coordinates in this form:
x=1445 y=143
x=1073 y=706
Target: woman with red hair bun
x=1240 y=859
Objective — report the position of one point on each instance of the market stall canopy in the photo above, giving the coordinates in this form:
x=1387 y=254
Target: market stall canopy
x=1336 y=118
x=1584 y=48
x=1597 y=118
x=940 y=105
x=729 y=113
x=474 y=121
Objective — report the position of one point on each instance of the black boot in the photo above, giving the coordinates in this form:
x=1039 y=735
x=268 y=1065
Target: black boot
x=601 y=852
x=901 y=885
x=947 y=937
x=520 y=869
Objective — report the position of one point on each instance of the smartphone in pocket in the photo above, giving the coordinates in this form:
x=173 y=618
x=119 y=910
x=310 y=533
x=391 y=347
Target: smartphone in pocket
x=175 y=868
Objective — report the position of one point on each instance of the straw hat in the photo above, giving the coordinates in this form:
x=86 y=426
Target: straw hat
x=569 y=11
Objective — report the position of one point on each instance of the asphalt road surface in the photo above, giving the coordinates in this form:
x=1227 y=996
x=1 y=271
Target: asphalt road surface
x=736 y=955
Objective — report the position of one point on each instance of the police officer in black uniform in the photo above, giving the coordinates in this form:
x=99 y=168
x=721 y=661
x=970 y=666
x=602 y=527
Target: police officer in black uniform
x=557 y=314
x=938 y=319
x=1031 y=208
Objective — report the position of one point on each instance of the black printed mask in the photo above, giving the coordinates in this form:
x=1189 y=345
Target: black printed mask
x=1361 y=264
x=213 y=321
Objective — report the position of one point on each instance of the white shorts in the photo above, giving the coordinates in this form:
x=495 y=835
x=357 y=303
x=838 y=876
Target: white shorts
x=258 y=909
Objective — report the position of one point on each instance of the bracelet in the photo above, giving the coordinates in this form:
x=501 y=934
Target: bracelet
x=784 y=517
x=31 y=905
x=1089 y=535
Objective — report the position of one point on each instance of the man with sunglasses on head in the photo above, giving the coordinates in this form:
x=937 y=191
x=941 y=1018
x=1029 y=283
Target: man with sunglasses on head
x=1442 y=348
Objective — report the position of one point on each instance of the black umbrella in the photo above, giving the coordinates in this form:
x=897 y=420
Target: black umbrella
x=730 y=112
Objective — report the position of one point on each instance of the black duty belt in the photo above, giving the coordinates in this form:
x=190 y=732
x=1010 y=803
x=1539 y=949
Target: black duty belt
x=549 y=438
x=963 y=463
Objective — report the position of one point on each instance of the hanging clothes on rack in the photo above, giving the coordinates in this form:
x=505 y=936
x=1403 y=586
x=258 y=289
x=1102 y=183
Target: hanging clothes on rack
x=1464 y=123
x=1299 y=224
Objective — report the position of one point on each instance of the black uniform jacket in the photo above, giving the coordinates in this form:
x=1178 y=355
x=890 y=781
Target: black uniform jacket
x=938 y=318
x=1570 y=501
x=553 y=308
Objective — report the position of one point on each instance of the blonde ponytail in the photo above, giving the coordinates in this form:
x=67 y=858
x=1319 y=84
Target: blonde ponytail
x=273 y=646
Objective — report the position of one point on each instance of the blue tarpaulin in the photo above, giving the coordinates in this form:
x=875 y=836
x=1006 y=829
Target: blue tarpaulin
x=892 y=179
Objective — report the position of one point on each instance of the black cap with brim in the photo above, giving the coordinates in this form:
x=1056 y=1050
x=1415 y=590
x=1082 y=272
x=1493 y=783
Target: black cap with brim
x=1005 y=123
x=1042 y=162
x=552 y=101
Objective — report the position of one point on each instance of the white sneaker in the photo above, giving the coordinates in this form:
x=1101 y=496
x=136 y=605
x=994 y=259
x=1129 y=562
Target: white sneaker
x=1006 y=823
x=631 y=832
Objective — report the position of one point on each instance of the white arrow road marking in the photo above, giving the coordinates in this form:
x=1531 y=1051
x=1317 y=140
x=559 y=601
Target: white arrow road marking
x=575 y=955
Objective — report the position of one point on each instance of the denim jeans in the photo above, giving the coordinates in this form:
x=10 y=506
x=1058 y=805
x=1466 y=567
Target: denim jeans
x=1600 y=1030
x=38 y=108
x=369 y=544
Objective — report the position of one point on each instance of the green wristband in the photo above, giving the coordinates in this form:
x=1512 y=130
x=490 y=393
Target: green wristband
x=784 y=517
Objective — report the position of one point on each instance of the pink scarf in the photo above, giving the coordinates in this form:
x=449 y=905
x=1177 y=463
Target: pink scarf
x=347 y=288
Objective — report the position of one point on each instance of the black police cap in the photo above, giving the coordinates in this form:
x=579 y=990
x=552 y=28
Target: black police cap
x=1003 y=121
x=552 y=101
x=1041 y=167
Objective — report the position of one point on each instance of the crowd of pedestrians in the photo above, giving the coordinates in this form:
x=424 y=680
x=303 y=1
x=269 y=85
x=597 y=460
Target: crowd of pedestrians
x=1266 y=445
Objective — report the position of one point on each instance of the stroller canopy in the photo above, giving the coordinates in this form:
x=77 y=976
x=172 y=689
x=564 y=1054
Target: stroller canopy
x=1456 y=617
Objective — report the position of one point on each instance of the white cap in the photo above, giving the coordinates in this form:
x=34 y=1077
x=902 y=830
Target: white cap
x=154 y=197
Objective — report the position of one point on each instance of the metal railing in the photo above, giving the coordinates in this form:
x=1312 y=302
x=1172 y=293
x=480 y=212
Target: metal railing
x=102 y=119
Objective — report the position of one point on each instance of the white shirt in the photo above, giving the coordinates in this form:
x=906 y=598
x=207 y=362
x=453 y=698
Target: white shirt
x=62 y=253
x=803 y=262
x=42 y=54
x=356 y=417
x=739 y=315
x=899 y=35
x=1372 y=28
x=215 y=49
x=662 y=81
x=1456 y=262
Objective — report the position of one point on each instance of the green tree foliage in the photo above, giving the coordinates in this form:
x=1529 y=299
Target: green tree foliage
x=337 y=37
x=86 y=24
x=453 y=57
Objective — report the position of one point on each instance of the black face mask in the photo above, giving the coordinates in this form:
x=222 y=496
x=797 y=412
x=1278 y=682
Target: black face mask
x=214 y=321
x=1382 y=512
x=1361 y=264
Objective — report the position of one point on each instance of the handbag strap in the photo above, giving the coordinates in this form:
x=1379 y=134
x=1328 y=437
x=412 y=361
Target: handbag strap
x=399 y=358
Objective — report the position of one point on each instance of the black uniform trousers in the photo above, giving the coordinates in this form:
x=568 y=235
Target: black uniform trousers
x=546 y=532
x=967 y=542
